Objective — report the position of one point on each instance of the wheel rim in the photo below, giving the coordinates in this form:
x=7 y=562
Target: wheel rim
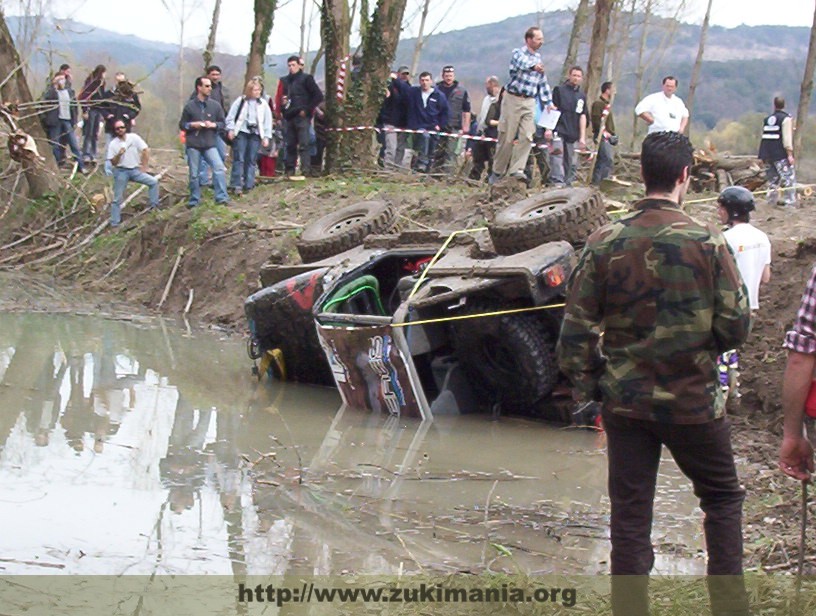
x=344 y=224
x=543 y=209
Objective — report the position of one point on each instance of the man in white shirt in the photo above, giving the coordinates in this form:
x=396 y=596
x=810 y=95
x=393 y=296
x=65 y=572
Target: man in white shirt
x=752 y=252
x=663 y=111
x=128 y=157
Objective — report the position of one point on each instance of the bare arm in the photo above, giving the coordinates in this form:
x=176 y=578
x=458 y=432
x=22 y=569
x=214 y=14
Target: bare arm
x=683 y=124
x=796 y=452
x=766 y=275
x=144 y=159
x=647 y=117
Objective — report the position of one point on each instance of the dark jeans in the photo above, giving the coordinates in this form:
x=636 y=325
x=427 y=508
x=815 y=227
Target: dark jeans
x=64 y=131
x=703 y=452
x=482 y=157
x=90 y=135
x=603 y=166
x=297 y=144
x=424 y=146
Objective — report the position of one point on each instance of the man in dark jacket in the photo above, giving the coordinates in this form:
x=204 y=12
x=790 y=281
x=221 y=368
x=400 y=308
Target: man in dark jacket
x=301 y=97
x=391 y=116
x=458 y=117
x=571 y=127
x=61 y=119
x=221 y=96
x=202 y=119
x=427 y=111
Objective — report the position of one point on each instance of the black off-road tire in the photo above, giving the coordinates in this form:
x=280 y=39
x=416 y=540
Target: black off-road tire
x=510 y=360
x=568 y=214
x=344 y=229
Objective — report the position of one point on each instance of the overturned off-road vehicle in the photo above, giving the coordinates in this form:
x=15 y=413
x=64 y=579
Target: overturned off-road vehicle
x=419 y=323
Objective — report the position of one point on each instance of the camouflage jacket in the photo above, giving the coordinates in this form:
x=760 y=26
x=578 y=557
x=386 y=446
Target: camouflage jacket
x=656 y=296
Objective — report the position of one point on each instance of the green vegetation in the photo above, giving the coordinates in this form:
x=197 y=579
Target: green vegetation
x=210 y=217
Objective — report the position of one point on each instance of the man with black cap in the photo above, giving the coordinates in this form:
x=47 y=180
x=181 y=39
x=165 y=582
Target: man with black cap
x=752 y=248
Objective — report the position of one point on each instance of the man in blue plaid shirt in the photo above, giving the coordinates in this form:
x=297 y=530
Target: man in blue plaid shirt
x=528 y=82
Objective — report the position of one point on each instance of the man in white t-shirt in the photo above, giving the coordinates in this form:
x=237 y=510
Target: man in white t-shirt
x=752 y=249
x=752 y=252
x=663 y=111
x=128 y=157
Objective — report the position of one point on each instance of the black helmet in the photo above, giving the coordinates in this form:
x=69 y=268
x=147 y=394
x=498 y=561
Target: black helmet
x=738 y=200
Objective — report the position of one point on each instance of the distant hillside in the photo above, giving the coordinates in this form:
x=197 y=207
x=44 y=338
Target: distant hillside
x=744 y=66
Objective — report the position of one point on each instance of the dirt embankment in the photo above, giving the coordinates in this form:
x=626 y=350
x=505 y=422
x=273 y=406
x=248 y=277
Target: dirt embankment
x=217 y=252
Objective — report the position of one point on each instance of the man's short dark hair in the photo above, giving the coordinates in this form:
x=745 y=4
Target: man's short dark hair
x=293 y=59
x=64 y=67
x=425 y=74
x=663 y=156
x=673 y=78
x=605 y=87
x=448 y=67
x=213 y=67
x=779 y=103
x=200 y=79
x=576 y=68
x=531 y=32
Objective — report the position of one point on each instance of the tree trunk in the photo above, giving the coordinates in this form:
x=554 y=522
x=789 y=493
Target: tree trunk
x=805 y=92
x=335 y=24
x=698 y=62
x=621 y=33
x=264 y=17
x=210 y=49
x=581 y=17
x=597 y=48
x=302 y=49
x=42 y=177
x=639 y=70
x=420 y=38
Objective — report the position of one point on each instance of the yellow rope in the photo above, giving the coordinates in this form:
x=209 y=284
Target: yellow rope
x=439 y=254
x=481 y=314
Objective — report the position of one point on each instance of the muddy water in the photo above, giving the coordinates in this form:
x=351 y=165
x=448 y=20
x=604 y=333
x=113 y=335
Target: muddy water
x=141 y=449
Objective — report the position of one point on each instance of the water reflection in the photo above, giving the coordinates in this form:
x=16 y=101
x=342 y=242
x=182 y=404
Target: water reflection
x=125 y=449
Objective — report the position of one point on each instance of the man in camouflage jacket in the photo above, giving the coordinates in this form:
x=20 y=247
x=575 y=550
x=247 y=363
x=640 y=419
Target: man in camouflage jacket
x=664 y=292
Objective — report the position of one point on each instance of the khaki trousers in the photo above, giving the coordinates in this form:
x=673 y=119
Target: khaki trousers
x=517 y=122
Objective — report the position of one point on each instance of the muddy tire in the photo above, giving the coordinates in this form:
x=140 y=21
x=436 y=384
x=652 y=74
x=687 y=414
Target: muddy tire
x=344 y=229
x=568 y=214
x=510 y=359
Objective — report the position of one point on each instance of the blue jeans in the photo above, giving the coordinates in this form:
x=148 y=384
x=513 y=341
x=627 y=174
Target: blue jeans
x=203 y=169
x=244 y=160
x=425 y=146
x=603 y=166
x=121 y=177
x=209 y=157
x=64 y=130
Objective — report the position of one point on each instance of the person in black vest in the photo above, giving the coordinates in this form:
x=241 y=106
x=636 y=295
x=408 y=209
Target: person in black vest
x=572 y=104
x=776 y=151
x=458 y=118
x=301 y=96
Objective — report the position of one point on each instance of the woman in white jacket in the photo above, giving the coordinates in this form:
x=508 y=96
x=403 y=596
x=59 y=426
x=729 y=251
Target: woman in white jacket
x=249 y=125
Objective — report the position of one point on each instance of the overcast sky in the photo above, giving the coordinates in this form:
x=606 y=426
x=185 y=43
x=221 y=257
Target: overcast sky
x=150 y=19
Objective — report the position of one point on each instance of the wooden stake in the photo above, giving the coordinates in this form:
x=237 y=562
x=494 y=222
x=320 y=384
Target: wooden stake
x=172 y=276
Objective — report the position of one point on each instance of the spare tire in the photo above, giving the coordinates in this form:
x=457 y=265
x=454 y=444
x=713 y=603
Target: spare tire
x=569 y=214
x=509 y=359
x=344 y=229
